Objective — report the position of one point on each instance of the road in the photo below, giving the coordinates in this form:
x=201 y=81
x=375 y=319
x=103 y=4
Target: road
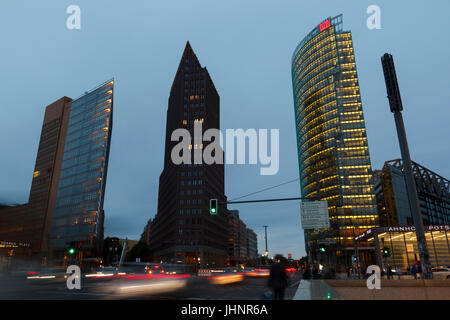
x=192 y=288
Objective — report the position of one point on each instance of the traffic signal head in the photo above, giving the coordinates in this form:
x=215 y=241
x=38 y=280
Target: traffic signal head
x=213 y=206
x=386 y=252
x=71 y=251
x=322 y=249
x=355 y=258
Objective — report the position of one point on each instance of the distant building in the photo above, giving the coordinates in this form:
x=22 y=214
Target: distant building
x=237 y=241
x=14 y=231
x=146 y=234
x=392 y=197
x=252 y=244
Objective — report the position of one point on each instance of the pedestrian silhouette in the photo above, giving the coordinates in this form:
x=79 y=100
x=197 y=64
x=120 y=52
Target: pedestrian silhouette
x=315 y=272
x=307 y=272
x=278 y=279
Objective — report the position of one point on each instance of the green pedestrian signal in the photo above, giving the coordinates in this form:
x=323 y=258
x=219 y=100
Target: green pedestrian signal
x=213 y=206
x=71 y=251
x=322 y=249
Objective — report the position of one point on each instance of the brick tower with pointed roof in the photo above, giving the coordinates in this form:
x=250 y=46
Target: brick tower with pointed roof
x=183 y=231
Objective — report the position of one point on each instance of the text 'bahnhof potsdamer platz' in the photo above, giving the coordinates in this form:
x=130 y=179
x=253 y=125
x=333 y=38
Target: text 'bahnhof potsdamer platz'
x=333 y=153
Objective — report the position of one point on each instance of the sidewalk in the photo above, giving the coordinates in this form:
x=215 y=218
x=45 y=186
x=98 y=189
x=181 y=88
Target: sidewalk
x=316 y=290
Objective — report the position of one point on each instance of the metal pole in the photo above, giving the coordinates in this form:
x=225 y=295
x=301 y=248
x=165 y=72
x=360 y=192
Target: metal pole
x=265 y=236
x=396 y=108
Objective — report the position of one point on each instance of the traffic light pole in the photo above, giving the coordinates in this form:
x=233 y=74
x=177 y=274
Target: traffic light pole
x=272 y=200
x=396 y=108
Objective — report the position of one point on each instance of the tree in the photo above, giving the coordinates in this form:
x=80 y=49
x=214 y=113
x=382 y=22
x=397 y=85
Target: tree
x=140 y=250
x=303 y=261
x=112 y=250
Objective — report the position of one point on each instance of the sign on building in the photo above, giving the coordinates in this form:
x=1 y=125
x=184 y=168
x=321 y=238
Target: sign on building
x=327 y=242
x=314 y=214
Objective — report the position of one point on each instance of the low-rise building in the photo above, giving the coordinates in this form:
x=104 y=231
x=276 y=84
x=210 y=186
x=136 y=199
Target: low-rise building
x=252 y=244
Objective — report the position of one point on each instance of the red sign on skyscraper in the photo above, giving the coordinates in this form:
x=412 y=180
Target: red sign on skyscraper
x=324 y=25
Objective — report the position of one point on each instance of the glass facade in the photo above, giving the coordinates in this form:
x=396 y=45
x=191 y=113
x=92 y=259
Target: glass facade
x=333 y=153
x=402 y=244
x=78 y=216
x=392 y=197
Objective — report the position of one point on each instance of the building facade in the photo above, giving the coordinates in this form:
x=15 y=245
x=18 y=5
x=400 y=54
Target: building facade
x=237 y=241
x=392 y=197
x=252 y=244
x=78 y=215
x=14 y=232
x=146 y=234
x=333 y=153
x=66 y=196
x=183 y=230
x=401 y=243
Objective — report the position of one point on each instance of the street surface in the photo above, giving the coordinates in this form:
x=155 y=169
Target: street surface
x=190 y=288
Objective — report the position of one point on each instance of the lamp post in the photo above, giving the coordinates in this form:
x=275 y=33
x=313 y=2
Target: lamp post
x=396 y=107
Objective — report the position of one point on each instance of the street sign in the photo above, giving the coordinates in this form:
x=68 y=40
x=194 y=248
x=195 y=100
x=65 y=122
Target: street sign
x=314 y=214
x=327 y=241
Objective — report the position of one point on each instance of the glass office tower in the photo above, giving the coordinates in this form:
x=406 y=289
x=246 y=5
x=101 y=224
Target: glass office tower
x=333 y=153
x=78 y=216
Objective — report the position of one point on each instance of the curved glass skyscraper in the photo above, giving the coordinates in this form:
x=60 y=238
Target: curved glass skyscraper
x=333 y=153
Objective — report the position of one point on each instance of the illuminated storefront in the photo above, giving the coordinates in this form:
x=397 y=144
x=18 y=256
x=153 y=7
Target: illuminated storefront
x=401 y=243
x=333 y=153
